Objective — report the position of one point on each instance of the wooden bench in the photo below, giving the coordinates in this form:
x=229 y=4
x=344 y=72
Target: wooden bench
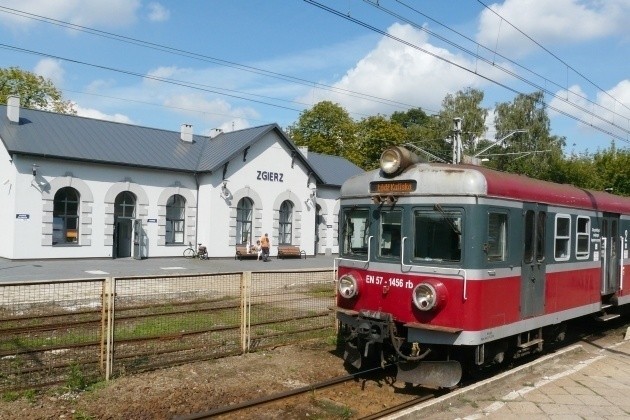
x=290 y=251
x=241 y=253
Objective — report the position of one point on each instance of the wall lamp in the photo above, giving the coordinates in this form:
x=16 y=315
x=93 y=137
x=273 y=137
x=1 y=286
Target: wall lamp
x=35 y=166
x=311 y=197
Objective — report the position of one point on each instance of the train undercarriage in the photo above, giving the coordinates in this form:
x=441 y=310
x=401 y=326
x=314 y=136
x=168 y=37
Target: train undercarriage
x=374 y=339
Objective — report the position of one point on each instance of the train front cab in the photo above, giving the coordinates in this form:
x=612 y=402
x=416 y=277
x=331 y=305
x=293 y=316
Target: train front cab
x=380 y=291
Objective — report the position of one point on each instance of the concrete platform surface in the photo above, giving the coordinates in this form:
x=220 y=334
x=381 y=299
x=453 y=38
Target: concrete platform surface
x=590 y=380
x=27 y=270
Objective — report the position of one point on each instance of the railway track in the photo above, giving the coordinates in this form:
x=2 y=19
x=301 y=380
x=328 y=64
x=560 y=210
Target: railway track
x=352 y=393
x=287 y=398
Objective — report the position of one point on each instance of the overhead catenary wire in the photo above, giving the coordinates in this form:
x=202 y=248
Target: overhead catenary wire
x=206 y=58
x=503 y=57
x=555 y=56
x=496 y=82
x=508 y=71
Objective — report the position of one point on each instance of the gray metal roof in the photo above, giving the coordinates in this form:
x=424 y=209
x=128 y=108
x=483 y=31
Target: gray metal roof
x=48 y=134
x=333 y=170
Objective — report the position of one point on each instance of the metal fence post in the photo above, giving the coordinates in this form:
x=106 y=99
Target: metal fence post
x=107 y=326
x=246 y=293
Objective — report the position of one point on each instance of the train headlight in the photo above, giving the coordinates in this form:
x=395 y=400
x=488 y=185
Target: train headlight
x=348 y=286
x=425 y=297
x=396 y=159
x=390 y=160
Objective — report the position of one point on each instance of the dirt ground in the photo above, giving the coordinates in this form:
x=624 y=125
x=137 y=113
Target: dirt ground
x=203 y=386
x=185 y=389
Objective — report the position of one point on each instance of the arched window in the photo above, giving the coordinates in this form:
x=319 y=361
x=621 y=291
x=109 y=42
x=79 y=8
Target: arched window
x=175 y=217
x=66 y=217
x=125 y=205
x=244 y=211
x=286 y=223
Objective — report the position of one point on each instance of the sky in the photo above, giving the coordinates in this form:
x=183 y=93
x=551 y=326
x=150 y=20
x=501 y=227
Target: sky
x=233 y=64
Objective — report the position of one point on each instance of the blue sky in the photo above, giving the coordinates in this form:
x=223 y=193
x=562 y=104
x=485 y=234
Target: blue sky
x=231 y=64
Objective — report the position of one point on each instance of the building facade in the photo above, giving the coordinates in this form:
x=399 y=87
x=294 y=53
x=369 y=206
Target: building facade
x=74 y=187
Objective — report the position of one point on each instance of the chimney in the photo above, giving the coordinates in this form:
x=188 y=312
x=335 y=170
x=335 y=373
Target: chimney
x=187 y=133
x=13 y=108
x=304 y=150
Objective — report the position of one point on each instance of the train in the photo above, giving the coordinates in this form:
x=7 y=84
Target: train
x=445 y=269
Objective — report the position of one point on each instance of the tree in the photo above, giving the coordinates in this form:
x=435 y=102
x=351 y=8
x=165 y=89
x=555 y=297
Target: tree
x=34 y=91
x=410 y=118
x=373 y=135
x=466 y=105
x=613 y=168
x=326 y=128
x=535 y=152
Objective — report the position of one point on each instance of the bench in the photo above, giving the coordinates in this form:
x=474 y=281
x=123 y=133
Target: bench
x=290 y=251
x=241 y=253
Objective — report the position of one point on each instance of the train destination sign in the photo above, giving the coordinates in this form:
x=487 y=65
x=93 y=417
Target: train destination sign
x=392 y=187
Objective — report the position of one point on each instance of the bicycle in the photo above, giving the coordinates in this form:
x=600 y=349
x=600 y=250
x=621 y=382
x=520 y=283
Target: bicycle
x=201 y=252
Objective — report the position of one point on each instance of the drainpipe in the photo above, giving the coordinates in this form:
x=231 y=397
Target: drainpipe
x=196 y=175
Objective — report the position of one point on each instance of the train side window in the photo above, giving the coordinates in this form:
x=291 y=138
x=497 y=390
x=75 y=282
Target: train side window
x=528 y=250
x=541 y=235
x=438 y=234
x=390 y=233
x=582 y=243
x=355 y=231
x=562 y=238
x=496 y=246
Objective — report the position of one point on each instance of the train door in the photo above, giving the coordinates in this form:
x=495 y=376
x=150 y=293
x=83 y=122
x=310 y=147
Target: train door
x=610 y=253
x=533 y=264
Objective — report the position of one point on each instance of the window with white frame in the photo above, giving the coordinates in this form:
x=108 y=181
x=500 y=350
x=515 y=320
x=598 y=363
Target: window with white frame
x=562 y=240
x=66 y=217
x=175 y=219
x=244 y=210
x=496 y=248
x=582 y=235
x=285 y=227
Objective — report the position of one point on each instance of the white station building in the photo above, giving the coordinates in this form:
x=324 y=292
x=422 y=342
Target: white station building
x=74 y=187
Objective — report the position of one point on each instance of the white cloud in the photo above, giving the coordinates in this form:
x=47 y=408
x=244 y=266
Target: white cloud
x=550 y=22
x=50 y=69
x=158 y=13
x=217 y=111
x=94 y=113
x=609 y=111
x=108 y=13
x=405 y=74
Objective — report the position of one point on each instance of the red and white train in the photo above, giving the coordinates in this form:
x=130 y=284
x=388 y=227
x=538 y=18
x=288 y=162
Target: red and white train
x=450 y=266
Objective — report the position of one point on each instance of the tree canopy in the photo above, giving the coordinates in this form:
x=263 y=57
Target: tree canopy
x=34 y=91
x=328 y=128
x=533 y=152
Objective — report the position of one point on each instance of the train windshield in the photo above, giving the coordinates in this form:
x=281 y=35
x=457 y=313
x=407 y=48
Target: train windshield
x=390 y=233
x=438 y=234
x=355 y=231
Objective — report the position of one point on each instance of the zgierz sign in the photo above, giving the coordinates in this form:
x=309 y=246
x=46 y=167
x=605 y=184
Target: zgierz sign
x=22 y=216
x=270 y=176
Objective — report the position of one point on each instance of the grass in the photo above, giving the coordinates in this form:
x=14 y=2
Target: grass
x=10 y=396
x=276 y=316
x=333 y=410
